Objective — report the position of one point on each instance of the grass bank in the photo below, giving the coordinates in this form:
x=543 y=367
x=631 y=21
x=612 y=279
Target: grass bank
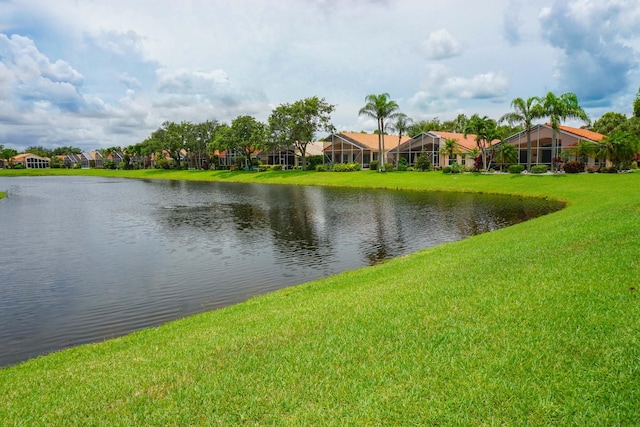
x=535 y=324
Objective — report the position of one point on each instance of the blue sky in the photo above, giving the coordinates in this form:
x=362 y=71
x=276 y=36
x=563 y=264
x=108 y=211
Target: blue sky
x=98 y=73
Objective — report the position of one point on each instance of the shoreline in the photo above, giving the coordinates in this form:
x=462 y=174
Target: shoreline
x=528 y=324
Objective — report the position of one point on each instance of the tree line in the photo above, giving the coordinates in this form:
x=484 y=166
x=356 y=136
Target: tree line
x=294 y=126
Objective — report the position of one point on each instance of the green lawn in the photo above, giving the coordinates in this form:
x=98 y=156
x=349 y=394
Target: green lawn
x=535 y=324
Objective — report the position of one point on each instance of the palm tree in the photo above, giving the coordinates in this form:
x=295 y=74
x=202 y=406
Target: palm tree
x=583 y=149
x=486 y=131
x=524 y=113
x=450 y=148
x=558 y=109
x=400 y=125
x=381 y=108
x=506 y=154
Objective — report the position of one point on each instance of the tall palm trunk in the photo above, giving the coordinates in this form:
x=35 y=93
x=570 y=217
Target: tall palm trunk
x=528 y=150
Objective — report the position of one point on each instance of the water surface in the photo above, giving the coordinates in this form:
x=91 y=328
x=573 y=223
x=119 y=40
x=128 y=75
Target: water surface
x=84 y=259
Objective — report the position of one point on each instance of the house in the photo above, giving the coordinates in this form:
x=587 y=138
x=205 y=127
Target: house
x=541 y=136
x=30 y=161
x=352 y=147
x=431 y=143
x=289 y=157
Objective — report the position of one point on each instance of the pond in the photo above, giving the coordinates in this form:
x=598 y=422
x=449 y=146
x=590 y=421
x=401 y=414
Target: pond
x=84 y=259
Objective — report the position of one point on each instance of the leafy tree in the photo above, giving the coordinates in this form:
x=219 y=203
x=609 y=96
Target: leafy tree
x=486 y=130
x=295 y=125
x=609 y=122
x=558 y=109
x=401 y=125
x=456 y=125
x=423 y=162
x=245 y=134
x=64 y=151
x=620 y=148
x=524 y=112
x=381 y=108
x=424 y=126
x=636 y=105
x=7 y=154
x=39 y=150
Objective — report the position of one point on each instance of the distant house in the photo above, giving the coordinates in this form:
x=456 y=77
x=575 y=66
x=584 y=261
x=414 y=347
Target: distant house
x=289 y=157
x=352 y=147
x=541 y=136
x=431 y=143
x=31 y=161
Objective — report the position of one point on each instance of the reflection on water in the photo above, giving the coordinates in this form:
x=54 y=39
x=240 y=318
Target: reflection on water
x=84 y=259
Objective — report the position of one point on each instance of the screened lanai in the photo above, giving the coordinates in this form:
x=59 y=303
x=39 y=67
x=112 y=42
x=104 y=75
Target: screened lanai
x=352 y=147
x=430 y=143
x=541 y=140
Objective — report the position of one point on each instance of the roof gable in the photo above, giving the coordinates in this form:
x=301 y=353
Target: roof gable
x=581 y=133
x=368 y=140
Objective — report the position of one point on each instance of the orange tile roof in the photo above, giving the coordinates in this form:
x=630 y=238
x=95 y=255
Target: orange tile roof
x=371 y=140
x=468 y=142
x=581 y=133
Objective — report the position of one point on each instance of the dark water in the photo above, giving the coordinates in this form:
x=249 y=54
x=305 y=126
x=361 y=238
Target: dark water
x=83 y=259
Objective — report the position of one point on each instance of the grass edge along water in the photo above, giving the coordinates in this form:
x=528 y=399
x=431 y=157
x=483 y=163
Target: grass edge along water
x=532 y=324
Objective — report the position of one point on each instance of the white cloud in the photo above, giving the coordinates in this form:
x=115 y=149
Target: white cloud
x=441 y=90
x=481 y=86
x=511 y=22
x=441 y=45
x=110 y=71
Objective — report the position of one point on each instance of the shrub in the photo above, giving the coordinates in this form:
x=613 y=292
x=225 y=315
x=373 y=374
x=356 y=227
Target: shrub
x=321 y=168
x=346 y=167
x=18 y=166
x=538 y=169
x=516 y=169
x=573 y=167
x=374 y=165
x=161 y=163
x=410 y=169
x=456 y=168
x=403 y=164
x=633 y=166
x=78 y=165
x=608 y=170
x=389 y=167
x=447 y=169
x=313 y=161
x=276 y=167
x=423 y=163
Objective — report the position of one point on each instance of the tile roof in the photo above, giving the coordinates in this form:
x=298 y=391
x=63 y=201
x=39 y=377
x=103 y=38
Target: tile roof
x=368 y=140
x=468 y=142
x=582 y=133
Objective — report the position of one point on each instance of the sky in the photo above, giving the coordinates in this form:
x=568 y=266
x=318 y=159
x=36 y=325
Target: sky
x=99 y=73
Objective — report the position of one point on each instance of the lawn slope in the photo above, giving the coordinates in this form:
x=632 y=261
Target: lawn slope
x=538 y=323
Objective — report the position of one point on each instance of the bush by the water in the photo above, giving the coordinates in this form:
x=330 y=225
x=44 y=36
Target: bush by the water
x=516 y=169
x=538 y=169
x=321 y=168
x=374 y=165
x=403 y=164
